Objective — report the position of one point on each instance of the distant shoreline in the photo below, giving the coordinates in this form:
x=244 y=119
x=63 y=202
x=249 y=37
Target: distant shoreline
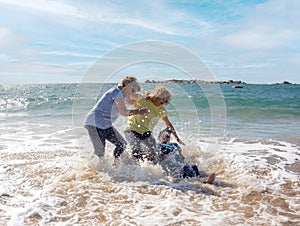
x=195 y=81
x=203 y=82
x=157 y=81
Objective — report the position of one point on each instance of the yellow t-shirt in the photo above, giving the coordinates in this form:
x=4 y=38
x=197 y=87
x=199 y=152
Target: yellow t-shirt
x=144 y=123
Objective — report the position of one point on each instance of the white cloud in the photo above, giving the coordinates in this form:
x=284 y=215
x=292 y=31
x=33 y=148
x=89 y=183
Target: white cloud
x=236 y=34
x=54 y=7
x=258 y=39
x=270 y=25
x=5 y=58
x=9 y=40
x=157 y=17
x=68 y=53
x=38 y=68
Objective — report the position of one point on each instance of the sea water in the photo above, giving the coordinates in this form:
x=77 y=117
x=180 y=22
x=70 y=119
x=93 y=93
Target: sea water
x=249 y=137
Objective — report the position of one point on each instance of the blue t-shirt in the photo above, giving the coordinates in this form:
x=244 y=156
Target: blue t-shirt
x=105 y=112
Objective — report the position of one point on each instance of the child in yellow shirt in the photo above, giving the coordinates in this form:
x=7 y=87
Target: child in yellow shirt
x=139 y=128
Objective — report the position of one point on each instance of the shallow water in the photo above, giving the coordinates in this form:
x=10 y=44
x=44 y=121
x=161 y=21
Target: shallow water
x=49 y=177
x=47 y=180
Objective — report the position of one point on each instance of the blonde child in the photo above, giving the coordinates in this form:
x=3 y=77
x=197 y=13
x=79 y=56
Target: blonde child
x=139 y=128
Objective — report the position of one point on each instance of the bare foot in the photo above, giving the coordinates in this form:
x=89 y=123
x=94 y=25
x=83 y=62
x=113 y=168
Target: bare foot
x=210 y=179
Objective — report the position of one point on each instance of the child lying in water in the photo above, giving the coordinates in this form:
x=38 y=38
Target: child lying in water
x=171 y=160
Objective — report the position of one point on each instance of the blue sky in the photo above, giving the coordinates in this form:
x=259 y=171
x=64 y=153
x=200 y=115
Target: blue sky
x=57 y=41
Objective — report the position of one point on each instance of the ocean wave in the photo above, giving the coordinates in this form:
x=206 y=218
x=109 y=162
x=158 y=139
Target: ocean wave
x=259 y=110
x=36 y=103
x=266 y=112
x=45 y=179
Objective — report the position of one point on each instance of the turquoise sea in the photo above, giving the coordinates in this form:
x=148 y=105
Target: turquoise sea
x=250 y=137
x=254 y=112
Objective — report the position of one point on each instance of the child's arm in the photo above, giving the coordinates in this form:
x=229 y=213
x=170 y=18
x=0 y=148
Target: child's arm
x=125 y=112
x=134 y=97
x=169 y=124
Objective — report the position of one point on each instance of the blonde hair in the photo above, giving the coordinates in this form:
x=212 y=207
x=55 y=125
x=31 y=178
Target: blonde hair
x=132 y=82
x=161 y=92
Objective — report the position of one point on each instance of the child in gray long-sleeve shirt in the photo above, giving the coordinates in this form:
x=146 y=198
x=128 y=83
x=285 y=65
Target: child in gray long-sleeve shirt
x=172 y=161
x=99 y=121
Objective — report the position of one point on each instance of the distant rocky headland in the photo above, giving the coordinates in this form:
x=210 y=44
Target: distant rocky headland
x=285 y=82
x=195 y=81
x=203 y=82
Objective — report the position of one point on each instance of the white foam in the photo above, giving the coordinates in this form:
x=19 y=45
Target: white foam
x=47 y=180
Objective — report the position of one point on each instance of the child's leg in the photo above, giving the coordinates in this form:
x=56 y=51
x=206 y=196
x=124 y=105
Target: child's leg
x=112 y=135
x=135 y=145
x=98 y=140
x=150 y=144
x=188 y=172
x=196 y=170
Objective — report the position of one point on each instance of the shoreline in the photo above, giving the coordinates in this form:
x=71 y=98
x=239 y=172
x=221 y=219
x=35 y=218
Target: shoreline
x=183 y=81
x=195 y=81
